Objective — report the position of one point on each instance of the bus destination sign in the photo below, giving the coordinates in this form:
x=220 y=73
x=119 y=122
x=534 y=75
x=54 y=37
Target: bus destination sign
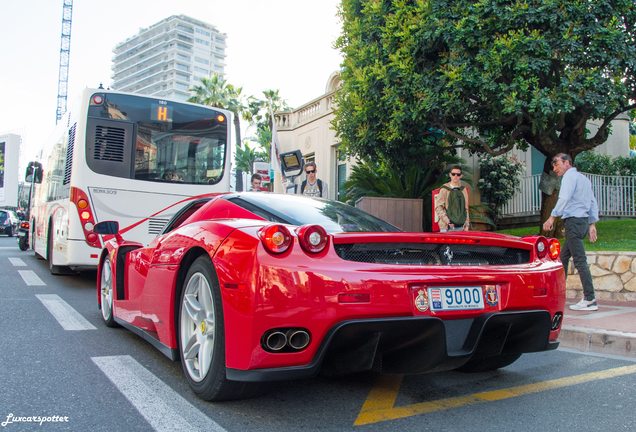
x=161 y=112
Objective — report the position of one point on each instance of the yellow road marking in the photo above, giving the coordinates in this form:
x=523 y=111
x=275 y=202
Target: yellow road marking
x=380 y=404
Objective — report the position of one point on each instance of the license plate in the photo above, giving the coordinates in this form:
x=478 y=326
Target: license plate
x=21 y=234
x=456 y=298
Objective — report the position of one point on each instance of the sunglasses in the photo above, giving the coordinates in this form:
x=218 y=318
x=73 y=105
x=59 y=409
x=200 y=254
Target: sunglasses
x=310 y=171
x=455 y=174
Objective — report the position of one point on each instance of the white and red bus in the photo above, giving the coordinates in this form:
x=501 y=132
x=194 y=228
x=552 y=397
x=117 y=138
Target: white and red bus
x=129 y=158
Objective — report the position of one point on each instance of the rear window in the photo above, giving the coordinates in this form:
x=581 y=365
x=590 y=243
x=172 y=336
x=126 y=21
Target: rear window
x=333 y=216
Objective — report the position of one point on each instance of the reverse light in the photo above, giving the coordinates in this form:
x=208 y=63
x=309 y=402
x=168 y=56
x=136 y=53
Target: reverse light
x=312 y=238
x=554 y=249
x=275 y=238
x=541 y=247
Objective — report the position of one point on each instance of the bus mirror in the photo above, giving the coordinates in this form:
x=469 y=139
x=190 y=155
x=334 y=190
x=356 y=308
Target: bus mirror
x=106 y=227
x=33 y=172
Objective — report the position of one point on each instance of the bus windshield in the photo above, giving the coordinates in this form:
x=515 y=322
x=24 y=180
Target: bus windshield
x=167 y=141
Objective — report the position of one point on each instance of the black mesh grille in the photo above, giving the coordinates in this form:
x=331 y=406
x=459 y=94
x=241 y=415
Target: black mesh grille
x=431 y=254
x=109 y=143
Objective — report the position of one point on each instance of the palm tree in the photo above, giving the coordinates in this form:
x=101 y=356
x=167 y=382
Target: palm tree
x=260 y=111
x=246 y=156
x=215 y=91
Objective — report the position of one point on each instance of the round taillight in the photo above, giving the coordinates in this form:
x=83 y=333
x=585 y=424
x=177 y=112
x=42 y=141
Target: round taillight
x=82 y=204
x=312 y=238
x=98 y=99
x=554 y=249
x=275 y=238
x=92 y=237
x=542 y=247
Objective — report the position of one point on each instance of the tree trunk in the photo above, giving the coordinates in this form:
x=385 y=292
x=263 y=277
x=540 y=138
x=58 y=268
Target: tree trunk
x=547 y=205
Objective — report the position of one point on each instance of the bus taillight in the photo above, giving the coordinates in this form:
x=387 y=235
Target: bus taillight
x=87 y=219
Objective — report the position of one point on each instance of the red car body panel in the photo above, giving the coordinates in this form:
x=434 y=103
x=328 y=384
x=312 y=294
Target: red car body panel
x=263 y=291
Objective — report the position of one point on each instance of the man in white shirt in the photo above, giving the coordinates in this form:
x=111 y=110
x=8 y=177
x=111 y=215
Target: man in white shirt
x=578 y=208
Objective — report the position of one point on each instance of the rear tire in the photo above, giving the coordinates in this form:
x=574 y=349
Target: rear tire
x=106 y=294
x=202 y=336
x=490 y=363
x=10 y=231
x=23 y=243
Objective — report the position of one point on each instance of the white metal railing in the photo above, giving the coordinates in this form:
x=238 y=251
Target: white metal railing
x=616 y=196
x=527 y=200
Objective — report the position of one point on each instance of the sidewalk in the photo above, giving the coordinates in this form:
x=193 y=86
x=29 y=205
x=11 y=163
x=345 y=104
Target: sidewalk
x=609 y=330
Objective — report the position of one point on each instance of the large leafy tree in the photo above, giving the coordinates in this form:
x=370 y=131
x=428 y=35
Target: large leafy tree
x=217 y=92
x=491 y=74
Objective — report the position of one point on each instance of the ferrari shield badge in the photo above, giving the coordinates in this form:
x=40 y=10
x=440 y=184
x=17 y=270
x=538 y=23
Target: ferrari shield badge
x=421 y=301
x=491 y=296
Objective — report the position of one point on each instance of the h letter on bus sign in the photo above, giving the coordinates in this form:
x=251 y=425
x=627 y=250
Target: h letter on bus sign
x=162 y=113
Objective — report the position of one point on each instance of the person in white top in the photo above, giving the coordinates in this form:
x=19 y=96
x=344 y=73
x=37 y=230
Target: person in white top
x=313 y=186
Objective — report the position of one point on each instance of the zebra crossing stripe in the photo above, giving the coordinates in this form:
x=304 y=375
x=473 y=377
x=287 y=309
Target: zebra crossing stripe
x=17 y=262
x=162 y=407
x=30 y=278
x=64 y=313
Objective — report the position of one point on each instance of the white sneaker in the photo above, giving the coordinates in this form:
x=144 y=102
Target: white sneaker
x=585 y=305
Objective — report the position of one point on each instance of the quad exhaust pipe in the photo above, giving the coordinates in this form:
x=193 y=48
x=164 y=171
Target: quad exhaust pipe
x=285 y=340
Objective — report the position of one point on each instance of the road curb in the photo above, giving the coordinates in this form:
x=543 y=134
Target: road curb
x=600 y=341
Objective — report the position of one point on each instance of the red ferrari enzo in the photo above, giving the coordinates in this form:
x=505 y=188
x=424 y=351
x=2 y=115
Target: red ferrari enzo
x=254 y=287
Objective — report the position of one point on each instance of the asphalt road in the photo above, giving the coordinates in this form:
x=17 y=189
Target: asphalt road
x=60 y=365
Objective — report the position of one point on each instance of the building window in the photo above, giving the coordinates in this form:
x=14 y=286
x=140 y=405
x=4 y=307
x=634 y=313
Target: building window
x=341 y=175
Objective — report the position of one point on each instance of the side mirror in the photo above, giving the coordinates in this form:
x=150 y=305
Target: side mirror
x=106 y=227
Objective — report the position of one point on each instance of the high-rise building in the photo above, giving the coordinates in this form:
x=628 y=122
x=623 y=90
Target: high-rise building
x=168 y=58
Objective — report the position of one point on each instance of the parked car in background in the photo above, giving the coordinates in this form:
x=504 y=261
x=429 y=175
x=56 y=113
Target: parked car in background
x=8 y=222
x=253 y=287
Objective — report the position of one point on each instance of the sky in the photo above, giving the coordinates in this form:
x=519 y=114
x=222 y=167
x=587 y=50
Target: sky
x=273 y=44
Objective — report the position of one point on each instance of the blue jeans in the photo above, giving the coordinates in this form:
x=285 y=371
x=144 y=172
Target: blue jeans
x=575 y=231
